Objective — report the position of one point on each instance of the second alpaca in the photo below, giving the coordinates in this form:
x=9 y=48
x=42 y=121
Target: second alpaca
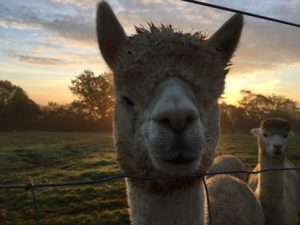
x=276 y=190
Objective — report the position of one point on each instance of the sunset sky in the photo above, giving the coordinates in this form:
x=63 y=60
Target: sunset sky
x=46 y=43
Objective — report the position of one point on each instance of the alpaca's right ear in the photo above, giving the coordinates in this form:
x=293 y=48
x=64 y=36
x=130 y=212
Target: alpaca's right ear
x=256 y=131
x=228 y=36
x=110 y=33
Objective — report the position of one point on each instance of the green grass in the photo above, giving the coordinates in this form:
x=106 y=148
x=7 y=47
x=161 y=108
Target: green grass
x=60 y=157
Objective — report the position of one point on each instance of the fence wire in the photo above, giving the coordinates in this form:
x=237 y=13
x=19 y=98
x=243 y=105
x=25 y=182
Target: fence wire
x=243 y=12
x=33 y=187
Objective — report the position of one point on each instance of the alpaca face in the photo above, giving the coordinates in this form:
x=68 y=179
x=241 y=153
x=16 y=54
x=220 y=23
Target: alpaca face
x=167 y=86
x=273 y=137
x=273 y=144
x=165 y=130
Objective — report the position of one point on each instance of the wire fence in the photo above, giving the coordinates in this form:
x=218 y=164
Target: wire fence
x=33 y=187
x=242 y=12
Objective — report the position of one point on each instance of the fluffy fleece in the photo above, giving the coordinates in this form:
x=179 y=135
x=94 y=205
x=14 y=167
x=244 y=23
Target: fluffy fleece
x=225 y=163
x=277 y=191
x=221 y=189
x=148 y=67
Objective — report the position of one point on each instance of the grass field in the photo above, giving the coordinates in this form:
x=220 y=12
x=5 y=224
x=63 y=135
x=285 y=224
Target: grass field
x=59 y=157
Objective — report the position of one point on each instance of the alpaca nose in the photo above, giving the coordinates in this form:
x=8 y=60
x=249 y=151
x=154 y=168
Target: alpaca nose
x=277 y=149
x=176 y=116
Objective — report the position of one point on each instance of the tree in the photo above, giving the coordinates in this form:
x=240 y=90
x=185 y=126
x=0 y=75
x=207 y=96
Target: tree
x=95 y=95
x=258 y=106
x=252 y=108
x=232 y=118
x=17 y=110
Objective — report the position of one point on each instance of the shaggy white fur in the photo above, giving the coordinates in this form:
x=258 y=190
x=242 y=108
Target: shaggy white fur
x=225 y=163
x=232 y=202
x=278 y=192
x=166 y=118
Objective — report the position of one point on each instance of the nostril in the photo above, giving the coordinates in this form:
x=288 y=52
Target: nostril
x=164 y=121
x=191 y=117
x=176 y=119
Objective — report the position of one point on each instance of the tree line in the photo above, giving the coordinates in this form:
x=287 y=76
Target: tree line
x=252 y=108
x=92 y=110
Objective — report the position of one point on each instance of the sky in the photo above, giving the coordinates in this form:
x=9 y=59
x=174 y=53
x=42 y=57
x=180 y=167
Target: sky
x=46 y=43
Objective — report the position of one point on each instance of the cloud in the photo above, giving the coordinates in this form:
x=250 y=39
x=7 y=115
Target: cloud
x=40 y=60
x=79 y=4
x=282 y=81
x=18 y=25
x=267 y=45
x=62 y=58
x=24 y=57
x=60 y=33
x=264 y=45
x=68 y=22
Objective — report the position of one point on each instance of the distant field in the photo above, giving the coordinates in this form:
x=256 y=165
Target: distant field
x=59 y=157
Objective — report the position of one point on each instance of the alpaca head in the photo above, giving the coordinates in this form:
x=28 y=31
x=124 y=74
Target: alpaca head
x=273 y=137
x=167 y=86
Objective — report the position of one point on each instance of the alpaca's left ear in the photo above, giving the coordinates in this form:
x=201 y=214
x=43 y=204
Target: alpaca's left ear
x=291 y=134
x=256 y=131
x=110 y=33
x=227 y=37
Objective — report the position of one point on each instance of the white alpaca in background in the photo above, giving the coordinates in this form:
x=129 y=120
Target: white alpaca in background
x=226 y=163
x=277 y=191
x=166 y=120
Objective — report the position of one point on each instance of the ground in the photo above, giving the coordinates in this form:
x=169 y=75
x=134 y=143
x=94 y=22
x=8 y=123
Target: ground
x=42 y=157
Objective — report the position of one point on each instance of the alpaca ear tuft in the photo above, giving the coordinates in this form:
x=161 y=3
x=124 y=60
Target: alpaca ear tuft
x=291 y=134
x=109 y=32
x=256 y=131
x=228 y=36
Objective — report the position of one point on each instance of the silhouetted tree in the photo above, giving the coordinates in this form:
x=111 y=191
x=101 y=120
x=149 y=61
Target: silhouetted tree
x=258 y=106
x=17 y=110
x=252 y=108
x=59 y=117
x=95 y=95
x=232 y=118
x=93 y=109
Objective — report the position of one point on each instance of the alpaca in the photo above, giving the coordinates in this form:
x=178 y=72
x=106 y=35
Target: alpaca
x=277 y=191
x=220 y=190
x=225 y=163
x=166 y=116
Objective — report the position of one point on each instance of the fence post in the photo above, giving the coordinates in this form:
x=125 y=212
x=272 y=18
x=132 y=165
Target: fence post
x=35 y=205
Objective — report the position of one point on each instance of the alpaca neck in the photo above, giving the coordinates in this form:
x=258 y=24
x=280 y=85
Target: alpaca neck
x=271 y=184
x=182 y=207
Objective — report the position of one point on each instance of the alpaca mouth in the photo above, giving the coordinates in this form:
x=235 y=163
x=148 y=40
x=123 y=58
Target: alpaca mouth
x=177 y=165
x=180 y=160
x=276 y=152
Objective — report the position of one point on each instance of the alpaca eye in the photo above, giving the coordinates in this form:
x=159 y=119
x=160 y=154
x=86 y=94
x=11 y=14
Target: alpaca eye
x=285 y=136
x=265 y=135
x=128 y=101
